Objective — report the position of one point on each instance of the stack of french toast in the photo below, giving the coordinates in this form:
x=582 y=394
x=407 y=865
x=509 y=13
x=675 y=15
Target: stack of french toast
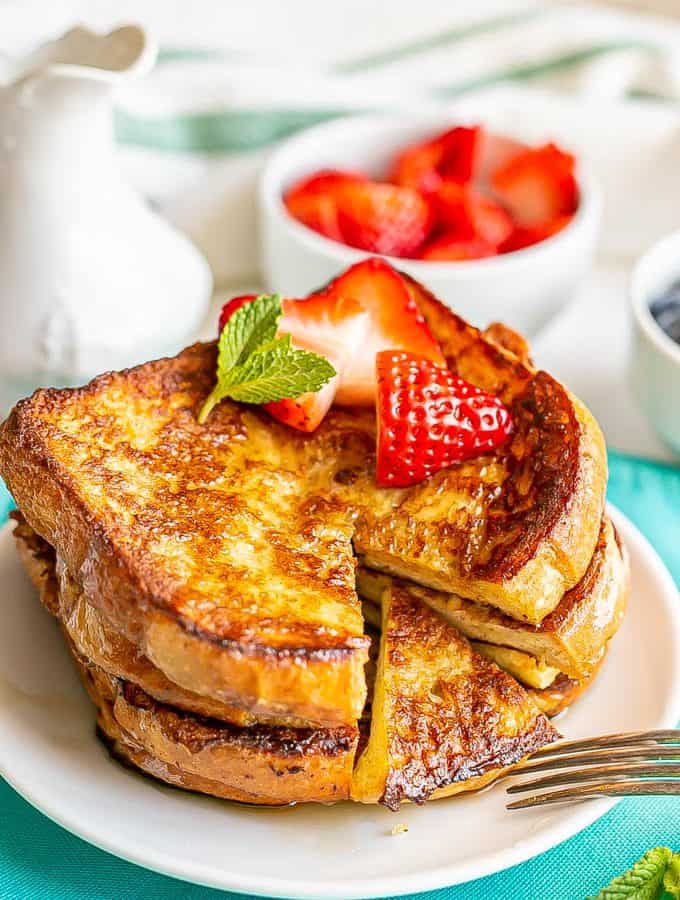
x=256 y=618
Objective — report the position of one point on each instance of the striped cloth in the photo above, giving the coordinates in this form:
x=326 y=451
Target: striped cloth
x=196 y=131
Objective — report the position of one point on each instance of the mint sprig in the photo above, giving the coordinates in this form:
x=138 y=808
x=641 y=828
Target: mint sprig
x=653 y=877
x=256 y=366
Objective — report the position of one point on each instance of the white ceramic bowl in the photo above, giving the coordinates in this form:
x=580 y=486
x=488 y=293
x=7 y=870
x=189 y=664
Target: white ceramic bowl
x=523 y=289
x=655 y=359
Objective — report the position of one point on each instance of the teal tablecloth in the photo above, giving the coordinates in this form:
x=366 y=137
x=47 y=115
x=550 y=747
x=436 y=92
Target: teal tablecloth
x=41 y=861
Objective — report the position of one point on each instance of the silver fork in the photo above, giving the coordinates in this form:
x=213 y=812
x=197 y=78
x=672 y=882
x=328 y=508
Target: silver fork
x=639 y=763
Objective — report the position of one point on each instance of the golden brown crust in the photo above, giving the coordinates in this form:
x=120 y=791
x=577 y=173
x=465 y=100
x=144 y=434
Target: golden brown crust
x=507 y=339
x=94 y=638
x=261 y=764
x=573 y=638
x=445 y=719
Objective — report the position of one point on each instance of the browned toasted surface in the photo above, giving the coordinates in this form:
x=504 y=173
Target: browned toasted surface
x=224 y=551
x=445 y=719
x=213 y=547
x=95 y=639
x=260 y=764
x=573 y=638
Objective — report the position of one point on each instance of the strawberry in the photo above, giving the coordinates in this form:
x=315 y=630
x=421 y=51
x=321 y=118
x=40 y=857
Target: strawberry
x=429 y=419
x=450 y=155
x=523 y=237
x=537 y=186
x=312 y=201
x=451 y=247
x=467 y=212
x=394 y=323
x=494 y=151
x=382 y=218
x=327 y=325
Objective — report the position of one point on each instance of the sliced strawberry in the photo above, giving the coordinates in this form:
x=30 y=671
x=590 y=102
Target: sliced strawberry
x=395 y=323
x=451 y=247
x=537 y=186
x=467 y=212
x=429 y=419
x=383 y=218
x=494 y=151
x=523 y=237
x=448 y=155
x=307 y=412
x=230 y=308
x=312 y=201
x=330 y=326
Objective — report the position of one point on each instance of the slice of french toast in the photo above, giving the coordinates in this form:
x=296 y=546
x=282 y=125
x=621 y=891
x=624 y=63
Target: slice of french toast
x=264 y=765
x=224 y=551
x=571 y=640
x=444 y=718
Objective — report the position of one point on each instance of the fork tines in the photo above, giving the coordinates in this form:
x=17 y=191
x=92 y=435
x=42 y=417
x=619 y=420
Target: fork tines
x=643 y=763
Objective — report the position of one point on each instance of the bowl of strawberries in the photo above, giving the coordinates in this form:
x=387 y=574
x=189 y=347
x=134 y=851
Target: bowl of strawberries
x=499 y=229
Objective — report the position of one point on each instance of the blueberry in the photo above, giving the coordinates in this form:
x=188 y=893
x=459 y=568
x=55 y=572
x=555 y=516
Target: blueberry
x=666 y=311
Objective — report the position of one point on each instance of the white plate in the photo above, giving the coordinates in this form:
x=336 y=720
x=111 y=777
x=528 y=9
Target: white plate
x=50 y=755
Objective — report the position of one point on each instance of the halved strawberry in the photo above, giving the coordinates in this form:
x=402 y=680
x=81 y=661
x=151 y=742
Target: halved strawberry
x=448 y=155
x=537 y=186
x=330 y=326
x=467 y=212
x=429 y=418
x=394 y=323
x=449 y=247
x=382 y=218
x=523 y=237
x=312 y=200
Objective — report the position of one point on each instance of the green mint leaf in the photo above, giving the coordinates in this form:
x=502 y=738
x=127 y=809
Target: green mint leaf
x=283 y=344
x=644 y=881
x=250 y=327
x=278 y=374
x=671 y=880
x=256 y=366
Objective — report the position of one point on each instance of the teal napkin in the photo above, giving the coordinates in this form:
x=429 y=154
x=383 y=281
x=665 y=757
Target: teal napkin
x=39 y=860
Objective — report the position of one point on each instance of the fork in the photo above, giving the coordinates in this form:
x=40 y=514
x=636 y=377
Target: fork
x=637 y=763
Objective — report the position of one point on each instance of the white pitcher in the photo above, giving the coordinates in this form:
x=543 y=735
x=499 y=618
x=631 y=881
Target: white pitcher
x=91 y=279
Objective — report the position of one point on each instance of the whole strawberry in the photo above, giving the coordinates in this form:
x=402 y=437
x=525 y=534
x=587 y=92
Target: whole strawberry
x=429 y=418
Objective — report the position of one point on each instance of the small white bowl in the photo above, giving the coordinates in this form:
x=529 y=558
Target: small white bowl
x=523 y=289
x=655 y=357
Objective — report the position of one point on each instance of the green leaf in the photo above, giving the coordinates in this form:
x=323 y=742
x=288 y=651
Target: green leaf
x=256 y=366
x=277 y=374
x=250 y=327
x=644 y=881
x=671 y=880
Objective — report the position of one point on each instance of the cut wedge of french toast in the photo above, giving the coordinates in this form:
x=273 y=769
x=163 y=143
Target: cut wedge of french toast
x=224 y=552
x=444 y=718
x=571 y=640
